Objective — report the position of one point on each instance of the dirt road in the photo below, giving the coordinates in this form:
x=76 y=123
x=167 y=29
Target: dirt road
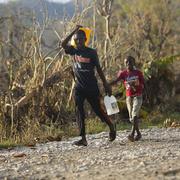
x=156 y=156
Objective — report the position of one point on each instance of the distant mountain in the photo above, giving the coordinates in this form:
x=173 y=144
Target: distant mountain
x=21 y=11
x=55 y=10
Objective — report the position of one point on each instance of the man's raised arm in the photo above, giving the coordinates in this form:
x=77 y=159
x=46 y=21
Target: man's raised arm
x=67 y=39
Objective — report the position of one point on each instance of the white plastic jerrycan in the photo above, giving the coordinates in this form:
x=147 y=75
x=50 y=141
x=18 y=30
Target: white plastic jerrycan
x=111 y=105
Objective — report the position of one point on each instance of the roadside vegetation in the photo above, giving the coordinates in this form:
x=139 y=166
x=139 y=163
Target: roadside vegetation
x=36 y=100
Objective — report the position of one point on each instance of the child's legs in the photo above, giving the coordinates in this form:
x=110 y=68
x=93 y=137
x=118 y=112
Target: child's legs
x=137 y=103
x=129 y=106
x=134 y=104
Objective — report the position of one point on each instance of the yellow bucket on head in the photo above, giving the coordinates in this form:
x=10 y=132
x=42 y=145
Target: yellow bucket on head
x=87 y=32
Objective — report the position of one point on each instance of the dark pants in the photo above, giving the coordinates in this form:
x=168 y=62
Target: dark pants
x=94 y=100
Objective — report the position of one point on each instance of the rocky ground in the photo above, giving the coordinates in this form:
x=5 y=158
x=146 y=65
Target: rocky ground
x=156 y=156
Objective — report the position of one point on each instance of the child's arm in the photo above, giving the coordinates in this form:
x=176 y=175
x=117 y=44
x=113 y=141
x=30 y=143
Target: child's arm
x=118 y=78
x=114 y=82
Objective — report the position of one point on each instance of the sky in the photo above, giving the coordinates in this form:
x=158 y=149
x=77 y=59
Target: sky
x=62 y=1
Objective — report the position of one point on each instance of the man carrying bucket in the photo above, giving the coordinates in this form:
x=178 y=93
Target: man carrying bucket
x=85 y=60
x=134 y=83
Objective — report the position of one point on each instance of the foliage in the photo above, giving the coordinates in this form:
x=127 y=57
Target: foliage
x=37 y=84
x=159 y=78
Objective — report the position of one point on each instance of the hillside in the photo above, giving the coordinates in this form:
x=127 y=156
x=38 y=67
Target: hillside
x=55 y=10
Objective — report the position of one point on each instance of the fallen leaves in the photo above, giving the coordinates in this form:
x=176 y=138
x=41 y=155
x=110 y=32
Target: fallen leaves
x=19 y=155
x=171 y=123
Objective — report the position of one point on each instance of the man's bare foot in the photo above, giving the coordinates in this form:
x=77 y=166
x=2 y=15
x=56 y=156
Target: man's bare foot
x=112 y=135
x=131 y=137
x=138 y=137
x=81 y=142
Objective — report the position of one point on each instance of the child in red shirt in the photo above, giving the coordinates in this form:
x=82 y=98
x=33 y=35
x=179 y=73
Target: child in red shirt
x=134 y=83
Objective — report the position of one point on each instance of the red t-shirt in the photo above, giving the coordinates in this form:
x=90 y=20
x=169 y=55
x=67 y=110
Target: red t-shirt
x=133 y=82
